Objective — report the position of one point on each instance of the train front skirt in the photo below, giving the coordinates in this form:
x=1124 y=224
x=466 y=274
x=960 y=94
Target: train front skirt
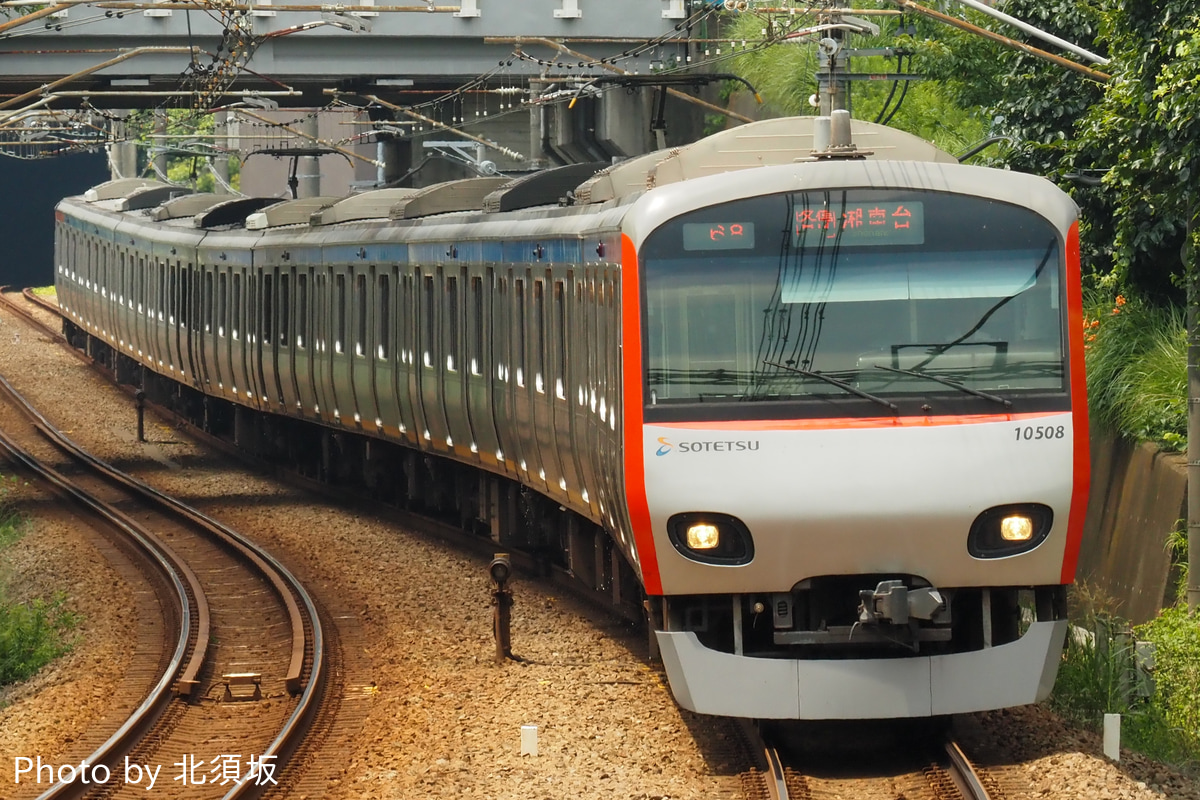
x=711 y=682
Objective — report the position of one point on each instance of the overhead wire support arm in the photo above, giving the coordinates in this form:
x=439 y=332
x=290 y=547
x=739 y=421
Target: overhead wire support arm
x=1036 y=32
x=296 y=132
x=527 y=40
x=1096 y=75
x=125 y=56
x=443 y=126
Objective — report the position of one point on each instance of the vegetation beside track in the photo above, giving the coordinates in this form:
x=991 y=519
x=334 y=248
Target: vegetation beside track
x=1137 y=369
x=35 y=632
x=1098 y=676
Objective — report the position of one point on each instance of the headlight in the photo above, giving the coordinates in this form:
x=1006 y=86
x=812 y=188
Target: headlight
x=703 y=536
x=711 y=537
x=1016 y=528
x=1009 y=530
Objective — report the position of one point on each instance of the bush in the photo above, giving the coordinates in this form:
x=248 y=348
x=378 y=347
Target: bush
x=1176 y=636
x=1136 y=357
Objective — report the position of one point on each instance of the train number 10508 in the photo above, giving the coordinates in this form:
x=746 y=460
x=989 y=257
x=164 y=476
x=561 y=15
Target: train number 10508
x=1029 y=433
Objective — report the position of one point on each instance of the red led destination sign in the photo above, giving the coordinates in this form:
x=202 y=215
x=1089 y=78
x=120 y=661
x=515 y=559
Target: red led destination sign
x=718 y=236
x=857 y=224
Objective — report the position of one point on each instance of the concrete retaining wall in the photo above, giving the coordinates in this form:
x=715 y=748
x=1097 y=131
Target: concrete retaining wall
x=1138 y=495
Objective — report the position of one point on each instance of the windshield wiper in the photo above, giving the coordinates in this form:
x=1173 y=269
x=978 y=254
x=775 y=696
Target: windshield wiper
x=961 y=387
x=835 y=382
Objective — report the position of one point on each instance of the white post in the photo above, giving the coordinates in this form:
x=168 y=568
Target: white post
x=1112 y=736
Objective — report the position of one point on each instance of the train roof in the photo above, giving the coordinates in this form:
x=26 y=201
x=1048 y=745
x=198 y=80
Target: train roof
x=780 y=141
x=289 y=212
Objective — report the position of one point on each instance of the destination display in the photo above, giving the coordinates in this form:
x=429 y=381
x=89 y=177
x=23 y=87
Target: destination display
x=859 y=224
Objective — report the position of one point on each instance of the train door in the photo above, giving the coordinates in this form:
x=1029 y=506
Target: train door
x=606 y=337
x=561 y=402
x=583 y=356
x=239 y=335
x=210 y=374
x=304 y=347
x=176 y=316
x=430 y=368
x=285 y=343
x=523 y=389
x=257 y=347
x=500 y=376
x=408 y=386
x=140 y=332
x=542 y=397
x=150 y=330
x=478 y=366
x=321 y=352
x=386 y=356
x=363 y=357
x=454 y=367
x=160 y=344
x=268 y=341
x=340 y=397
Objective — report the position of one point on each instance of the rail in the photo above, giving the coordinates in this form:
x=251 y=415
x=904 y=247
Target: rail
x=300 y=608
x=964 y=774
x=188 y=594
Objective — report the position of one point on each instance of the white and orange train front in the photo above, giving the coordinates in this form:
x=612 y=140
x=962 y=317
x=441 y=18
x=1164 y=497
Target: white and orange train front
x=855 y=428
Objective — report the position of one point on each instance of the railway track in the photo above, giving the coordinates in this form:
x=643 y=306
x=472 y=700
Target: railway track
x=948 y=777
x=238 y=625
x=951 y=776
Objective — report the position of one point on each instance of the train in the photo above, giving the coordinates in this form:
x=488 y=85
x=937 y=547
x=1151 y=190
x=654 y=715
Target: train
x=814 y=408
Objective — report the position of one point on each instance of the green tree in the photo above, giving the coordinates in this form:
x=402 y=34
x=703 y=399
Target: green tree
x=785 y=75
x=1146 y=132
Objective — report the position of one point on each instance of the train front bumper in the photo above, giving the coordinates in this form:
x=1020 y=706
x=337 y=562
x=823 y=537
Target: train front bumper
x=711 y=682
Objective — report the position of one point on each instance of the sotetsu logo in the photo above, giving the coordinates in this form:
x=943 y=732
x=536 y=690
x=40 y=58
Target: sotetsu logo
x=735 y=446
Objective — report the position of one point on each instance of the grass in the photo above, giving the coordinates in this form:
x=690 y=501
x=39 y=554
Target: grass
x=1160 y=708
x=1137 y=370
x=34 y=633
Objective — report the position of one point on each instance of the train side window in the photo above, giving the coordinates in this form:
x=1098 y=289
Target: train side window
x=175 y=310
x=452 y=323
x=223 y=318
x=519 y=298
x=162 y=290
x=237 y=304
x=140 y=285
x=187 y=285
x=301 y=310
x=252 y=309
x=121 y=277
x=405 y=319
x=560 y=319
x=268 y=316
x=320 y=304
x=383 y=320
x=208 y=301
x=360 y=303
x=340 y=314
x=104 y=271
x=500 y=343
x=476 y=321
x=427 y=323
x=539 y=335
x=284 y=312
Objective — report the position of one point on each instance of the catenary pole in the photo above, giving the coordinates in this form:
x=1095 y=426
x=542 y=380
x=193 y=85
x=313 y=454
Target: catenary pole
x=1192 y=270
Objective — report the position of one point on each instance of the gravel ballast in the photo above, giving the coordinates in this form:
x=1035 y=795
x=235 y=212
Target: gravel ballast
x=427 y=711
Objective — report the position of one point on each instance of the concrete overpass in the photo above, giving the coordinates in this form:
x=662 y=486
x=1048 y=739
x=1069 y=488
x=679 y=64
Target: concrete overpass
x=123 y=54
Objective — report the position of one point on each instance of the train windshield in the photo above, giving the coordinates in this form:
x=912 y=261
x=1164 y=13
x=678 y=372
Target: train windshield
x=855 y=299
